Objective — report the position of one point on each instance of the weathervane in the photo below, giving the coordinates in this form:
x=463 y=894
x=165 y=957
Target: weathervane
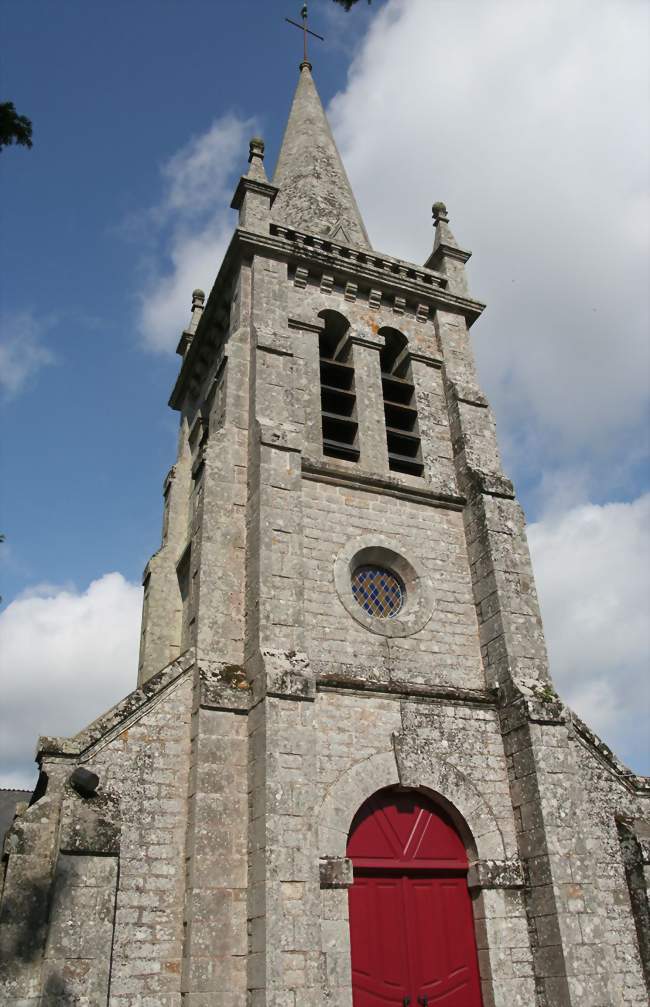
x=305 y=32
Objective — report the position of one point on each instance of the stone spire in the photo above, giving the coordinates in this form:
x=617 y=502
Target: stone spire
x=315 y=194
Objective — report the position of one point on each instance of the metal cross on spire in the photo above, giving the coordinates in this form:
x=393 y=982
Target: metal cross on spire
x=305 y=32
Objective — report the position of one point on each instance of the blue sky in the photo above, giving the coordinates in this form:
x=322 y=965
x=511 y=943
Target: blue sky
x=515 y=114
x=113 y=90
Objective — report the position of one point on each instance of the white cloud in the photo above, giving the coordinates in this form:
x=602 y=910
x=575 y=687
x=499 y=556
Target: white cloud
x=22 y=352
x=195 y=228
x=67 y=656
x=592 y=568
x=520 y=118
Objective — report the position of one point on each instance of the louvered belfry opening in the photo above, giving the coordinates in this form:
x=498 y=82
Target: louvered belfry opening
x=400 y=410
x=338 y=395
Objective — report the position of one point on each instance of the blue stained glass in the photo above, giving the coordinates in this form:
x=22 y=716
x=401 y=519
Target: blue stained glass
x=378 y=591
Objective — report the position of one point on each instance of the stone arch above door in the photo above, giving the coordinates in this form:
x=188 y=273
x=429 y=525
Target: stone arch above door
x=472 y=814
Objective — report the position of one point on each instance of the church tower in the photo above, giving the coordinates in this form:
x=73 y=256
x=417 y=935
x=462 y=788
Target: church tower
x=345 y=777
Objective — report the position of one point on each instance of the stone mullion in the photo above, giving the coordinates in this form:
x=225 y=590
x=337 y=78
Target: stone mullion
x=373 y=448
x=433 y=425
x=307 y=357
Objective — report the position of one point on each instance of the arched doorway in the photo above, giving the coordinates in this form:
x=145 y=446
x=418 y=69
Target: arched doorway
x=411 y=922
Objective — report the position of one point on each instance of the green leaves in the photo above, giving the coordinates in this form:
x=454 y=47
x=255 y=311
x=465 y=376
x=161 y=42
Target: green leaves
x=348 y=4
x=14 y=128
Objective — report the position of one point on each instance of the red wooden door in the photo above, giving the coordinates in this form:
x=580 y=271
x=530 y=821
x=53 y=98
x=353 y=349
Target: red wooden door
x=411 y=923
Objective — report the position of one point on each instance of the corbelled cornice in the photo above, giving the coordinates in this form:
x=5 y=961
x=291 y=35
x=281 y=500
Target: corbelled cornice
x=395 y=278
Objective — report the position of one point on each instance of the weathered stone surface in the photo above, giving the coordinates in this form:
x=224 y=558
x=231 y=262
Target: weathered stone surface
x=495 y=874
x=90 y=824
x=315 y=193
x=336 y=872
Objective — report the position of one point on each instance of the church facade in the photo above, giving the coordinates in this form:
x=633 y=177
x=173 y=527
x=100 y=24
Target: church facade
x=345 y=777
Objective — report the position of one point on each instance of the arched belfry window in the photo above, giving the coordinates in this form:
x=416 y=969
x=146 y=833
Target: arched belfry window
x=400 y=409
x=338 y=395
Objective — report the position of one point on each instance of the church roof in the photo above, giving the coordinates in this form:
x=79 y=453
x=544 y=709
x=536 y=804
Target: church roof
x=315 y=193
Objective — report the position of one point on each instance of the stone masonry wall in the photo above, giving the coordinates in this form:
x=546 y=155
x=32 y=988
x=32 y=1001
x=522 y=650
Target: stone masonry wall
x=455 y=751
x=80 y=936
x=147 y=764
x=446 y=651
x=607 y=798
x=108 y=867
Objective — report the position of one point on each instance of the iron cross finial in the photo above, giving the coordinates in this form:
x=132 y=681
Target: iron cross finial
x=305 y=32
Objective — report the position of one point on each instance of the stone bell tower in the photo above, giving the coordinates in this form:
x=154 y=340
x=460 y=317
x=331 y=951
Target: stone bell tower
x=345 y=777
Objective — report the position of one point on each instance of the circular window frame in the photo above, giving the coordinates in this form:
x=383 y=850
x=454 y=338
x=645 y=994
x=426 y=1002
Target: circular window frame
x=419 y=601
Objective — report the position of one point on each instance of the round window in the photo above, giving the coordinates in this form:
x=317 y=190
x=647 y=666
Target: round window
x=382 y=589
x=379 y=591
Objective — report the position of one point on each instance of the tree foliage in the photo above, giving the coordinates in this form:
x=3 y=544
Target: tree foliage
x=348 y=4
x=14 y=128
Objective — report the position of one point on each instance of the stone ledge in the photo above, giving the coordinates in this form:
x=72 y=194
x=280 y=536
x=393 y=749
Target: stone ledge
x=329 y=680
x=446 y=251
x=471 y=395
x=537 y=711
x=493 y=484
x=224 y=687
x=495 y=874
x=283 y=438
x=274 y=342
x=367 y=339
x=318 y=470
x=426 y=358
x=307 y=325
x=336 y=872
x=283 y=674
x=247 y=184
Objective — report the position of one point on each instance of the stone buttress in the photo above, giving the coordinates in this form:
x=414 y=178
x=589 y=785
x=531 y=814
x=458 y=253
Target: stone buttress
x=331 y=423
